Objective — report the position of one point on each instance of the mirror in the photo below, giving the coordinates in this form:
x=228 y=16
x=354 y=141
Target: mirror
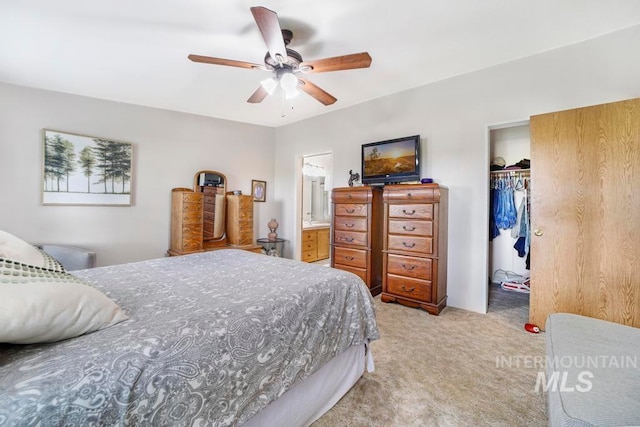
x=214 y=186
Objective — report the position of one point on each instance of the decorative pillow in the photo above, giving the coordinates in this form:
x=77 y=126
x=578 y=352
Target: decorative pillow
x=12 y=247
x=41 y=305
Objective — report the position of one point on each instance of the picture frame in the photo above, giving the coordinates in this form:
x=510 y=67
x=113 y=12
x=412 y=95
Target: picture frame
x=82 y=170
x=259 y=190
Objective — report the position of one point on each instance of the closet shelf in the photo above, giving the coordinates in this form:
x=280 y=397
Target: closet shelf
x=511 y=171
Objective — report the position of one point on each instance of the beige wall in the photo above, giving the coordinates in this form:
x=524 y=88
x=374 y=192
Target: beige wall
x=452 y=117
x=169 y=148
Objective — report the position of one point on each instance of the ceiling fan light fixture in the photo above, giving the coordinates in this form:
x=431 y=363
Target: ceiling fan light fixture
x=269 y=85
x=291 y=93
x=289 y=82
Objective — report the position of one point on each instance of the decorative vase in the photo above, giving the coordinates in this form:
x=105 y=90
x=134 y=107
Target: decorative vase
x=273 y=226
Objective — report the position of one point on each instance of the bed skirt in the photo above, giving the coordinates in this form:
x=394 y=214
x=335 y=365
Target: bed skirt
x=309 y=400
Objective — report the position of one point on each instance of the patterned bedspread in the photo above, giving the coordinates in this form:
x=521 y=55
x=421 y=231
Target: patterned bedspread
x=212 y=339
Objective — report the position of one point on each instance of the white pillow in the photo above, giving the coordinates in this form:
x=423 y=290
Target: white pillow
x=14 y=248
x=40 y=305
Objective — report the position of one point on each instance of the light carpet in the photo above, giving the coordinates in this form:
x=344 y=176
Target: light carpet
x=456 y=369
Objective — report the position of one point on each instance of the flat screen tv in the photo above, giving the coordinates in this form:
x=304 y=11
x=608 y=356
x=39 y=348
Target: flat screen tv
x=391 y=161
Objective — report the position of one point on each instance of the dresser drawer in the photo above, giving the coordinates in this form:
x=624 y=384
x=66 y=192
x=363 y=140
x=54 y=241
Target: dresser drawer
x=422 y=245
x=245 y=225
x=211 y=190
x=191 y=207
x=245 y=215
x=351 y=209
x=189 y=245
x=192 y=230
x=309 y=246
x=408 y=287
x=418 y=194
x=360 y=272
x=411 y=211
x=192 y=197
x=351 y=238
x=245 y=238
x=309 y=236
x=351 y=196
x=309 y=255
x=419 y=268
x=411 y=228
x=351 y=257
x=191 y=217
x=348 y=223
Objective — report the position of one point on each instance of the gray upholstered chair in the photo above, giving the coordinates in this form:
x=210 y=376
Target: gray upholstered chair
x=71 y=257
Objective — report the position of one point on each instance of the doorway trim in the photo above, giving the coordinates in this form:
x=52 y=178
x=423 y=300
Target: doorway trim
x=487 y=164
x=300 y=205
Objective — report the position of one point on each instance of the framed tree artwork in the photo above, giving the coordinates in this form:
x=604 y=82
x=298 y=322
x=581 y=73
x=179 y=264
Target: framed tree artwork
x=86 y=170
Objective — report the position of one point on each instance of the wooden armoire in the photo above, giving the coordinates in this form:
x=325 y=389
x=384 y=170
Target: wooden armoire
x=356 y=233
x=585 y=213
x=239 y=220
x=415 y=246
x=188 y=223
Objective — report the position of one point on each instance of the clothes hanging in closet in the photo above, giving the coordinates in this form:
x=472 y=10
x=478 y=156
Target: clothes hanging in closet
x=503 y=205
x=504 y=214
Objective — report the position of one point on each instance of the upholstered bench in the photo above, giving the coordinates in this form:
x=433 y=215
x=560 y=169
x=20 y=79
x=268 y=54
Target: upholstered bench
x=71 y=257
x=593 y=372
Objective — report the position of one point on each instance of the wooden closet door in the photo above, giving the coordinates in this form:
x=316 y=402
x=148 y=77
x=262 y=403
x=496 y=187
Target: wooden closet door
x=585 y=213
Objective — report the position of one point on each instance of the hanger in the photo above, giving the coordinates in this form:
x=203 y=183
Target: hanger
x=519 y=184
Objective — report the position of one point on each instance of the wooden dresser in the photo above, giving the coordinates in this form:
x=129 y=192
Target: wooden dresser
x=186 y=221
x=189 y=229
x=356 y=242
x=240 y=220
x=315 y=244
x=415 y=246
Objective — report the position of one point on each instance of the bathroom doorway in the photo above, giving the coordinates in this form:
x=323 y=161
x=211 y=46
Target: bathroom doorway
x=317 y=182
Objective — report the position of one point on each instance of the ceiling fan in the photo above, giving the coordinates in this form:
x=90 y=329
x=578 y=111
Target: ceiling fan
x=287 y=64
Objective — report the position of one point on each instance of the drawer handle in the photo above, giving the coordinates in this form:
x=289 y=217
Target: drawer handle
x=409 y=267
x=406 y=245
x=404 y=227
x=349 y=258
x=408 y=290
x=404 y=211
x=348 y=239
x=350 y=210
x=408 y=194
x=350 y=196
x=349 y=225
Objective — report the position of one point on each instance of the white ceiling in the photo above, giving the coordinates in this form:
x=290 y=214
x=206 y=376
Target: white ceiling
x=136 y=51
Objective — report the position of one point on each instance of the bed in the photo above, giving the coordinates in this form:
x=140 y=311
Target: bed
x=218 y=338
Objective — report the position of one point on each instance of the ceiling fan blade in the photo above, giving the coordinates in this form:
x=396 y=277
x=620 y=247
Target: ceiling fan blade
x=269 y=26
x=313 y=90
x=228 y=62
x=337 y=63
x=257 y=97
